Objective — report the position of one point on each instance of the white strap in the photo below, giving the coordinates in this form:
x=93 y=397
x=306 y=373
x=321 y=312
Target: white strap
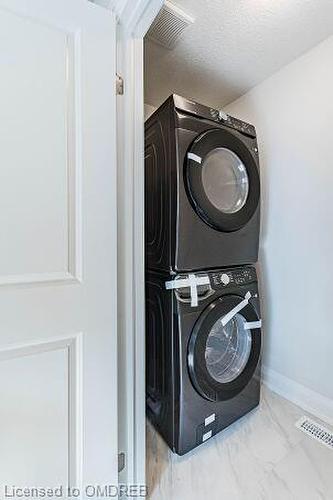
x=192 y=282
x=252 y=325
x=184 y=283
x=236 y=309
x=174 y=284
x=194 y=157
x=194 y=290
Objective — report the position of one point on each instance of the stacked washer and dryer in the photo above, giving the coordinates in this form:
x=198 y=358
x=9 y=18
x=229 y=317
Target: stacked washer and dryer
x=203 y=325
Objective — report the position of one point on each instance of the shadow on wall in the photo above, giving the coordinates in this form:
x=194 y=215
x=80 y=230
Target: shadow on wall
x=296 y=246
x=246 y=108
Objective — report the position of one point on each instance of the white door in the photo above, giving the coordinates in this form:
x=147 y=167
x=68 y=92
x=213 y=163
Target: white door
x=58 y=349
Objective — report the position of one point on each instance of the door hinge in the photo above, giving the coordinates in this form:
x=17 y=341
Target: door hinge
x=119 y=85
x=121 y=461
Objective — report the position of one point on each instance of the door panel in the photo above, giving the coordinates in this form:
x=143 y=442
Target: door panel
x=58 y=242
x=39 y=119
x=34 y=409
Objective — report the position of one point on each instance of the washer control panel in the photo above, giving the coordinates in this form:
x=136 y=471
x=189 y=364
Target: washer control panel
x=238 y=276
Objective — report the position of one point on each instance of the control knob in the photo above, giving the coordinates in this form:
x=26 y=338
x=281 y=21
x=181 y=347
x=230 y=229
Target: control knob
x=223 y=116
x=225 y=279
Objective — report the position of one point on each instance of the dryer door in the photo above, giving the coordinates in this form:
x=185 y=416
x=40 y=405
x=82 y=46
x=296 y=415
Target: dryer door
x=222 y=180
x=222 y=359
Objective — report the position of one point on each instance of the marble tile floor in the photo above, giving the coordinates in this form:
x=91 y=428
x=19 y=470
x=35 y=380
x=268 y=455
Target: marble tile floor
x=261 y=457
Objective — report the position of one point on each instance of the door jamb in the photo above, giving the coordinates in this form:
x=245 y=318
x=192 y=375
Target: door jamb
x=132 y=28
x=134 y=19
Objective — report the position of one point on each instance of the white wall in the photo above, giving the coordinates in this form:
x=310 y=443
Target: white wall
x=293 y=113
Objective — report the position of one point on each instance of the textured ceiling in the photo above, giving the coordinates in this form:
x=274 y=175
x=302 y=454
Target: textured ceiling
x=232 y=46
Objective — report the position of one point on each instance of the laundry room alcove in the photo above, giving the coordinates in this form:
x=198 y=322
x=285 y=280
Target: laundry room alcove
x=202 y=221
x=219 y=90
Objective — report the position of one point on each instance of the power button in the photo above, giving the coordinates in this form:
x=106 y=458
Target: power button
x=225 y=279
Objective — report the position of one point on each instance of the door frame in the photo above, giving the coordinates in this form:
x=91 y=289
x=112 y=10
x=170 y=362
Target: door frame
x=134 y=19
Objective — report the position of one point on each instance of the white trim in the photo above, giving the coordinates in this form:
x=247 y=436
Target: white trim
x=307 y=399
x=139 y=268
x=135 y=17
x=38 y=279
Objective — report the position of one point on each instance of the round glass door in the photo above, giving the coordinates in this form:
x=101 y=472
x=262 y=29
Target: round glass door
x=225 y=180
x=228 y=349
x=222 y=359
x=222 y=180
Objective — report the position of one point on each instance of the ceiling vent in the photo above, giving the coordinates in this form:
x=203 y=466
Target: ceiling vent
x=169 y=25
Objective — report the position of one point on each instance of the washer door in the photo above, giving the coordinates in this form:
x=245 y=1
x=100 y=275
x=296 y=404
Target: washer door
x=223 y=359
x=222 y=180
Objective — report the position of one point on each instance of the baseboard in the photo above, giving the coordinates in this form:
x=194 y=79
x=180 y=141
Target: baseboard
x=307 y=399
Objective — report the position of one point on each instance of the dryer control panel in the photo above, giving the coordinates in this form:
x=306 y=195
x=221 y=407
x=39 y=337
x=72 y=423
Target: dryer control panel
x=216 y=115
x=228 y=277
